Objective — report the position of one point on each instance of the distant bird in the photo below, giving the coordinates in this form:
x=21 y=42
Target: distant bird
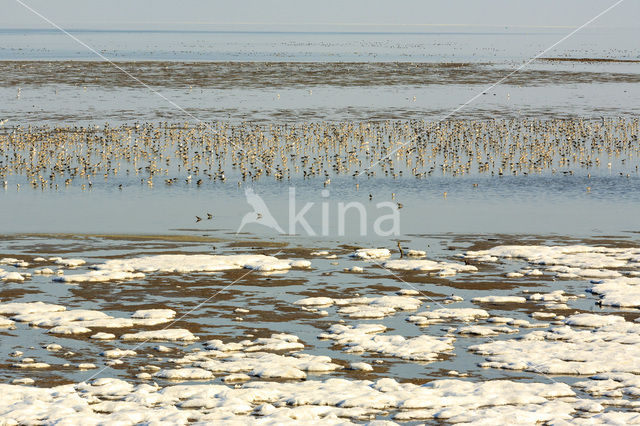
x=209 y=216
x=198 y=219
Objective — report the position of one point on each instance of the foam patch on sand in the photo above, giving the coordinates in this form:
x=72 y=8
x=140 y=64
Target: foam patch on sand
x=59 y=320
x=269 y=365
x=251 y=357
x=499 y=299
x=277 y=342
x=6 y=323
x=11 y=276
x=29 y=307
x=366 y=338
x=612 y=385
x=368 y=254
x=618 y=288
x=448 y=315
x=169 y=334
x=443 y=269
x=598 y=344
x=365 y=307
x=576 y=256
x=485 y=330
x=69 y=263
x=127 y=269
x=14 y=262
x=332 y=401
x=621 y=292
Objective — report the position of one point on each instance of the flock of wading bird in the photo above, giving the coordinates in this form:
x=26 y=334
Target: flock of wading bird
x=187 y=154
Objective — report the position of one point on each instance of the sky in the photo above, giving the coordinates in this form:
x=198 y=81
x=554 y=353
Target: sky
x=326 y=15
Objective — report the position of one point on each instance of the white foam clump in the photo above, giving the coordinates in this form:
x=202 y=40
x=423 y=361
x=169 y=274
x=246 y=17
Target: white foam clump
x=570 y=272
x=482 y=330
x=184 y=374
x=154 y=314
x=11 y=276
x=99 y=277
x=126 y=269
x=23 y=381
x=277 y=342
x=30 y=364
x=103 y=336
x=366 y=338
x=79 y=321
x=315 y=301
x=169 y=334
x=14 y=262
x=443 y=268
x=17 y=308
x=557 y=296
x=86 y=366
x=365 y=307
x=69 y=329
x=54 y=319
x=332 y=401
x=612 y=385
x=609 y=344
x=499 y=299
x=269 y=365
x=376 y=307
x=6 y=323
x=251 y=357
x=371 y=253
x=623 y=292
x=360 y=366
x=118 y=353
x=583 y=262
x=446 y=314
x=70 y=263
x=576 y=256
x=593 y=320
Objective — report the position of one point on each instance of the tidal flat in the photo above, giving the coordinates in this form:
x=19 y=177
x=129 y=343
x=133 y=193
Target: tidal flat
x=286 y=228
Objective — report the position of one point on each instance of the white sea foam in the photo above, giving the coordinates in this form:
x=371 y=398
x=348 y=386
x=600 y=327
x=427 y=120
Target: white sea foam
x=442 y=268
x=169 y=334
x=366 y=338
x=373 y=253
x=499 y=299
x=128 y=269
x=332 y=401
x=448 y=314
x=609 y=344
